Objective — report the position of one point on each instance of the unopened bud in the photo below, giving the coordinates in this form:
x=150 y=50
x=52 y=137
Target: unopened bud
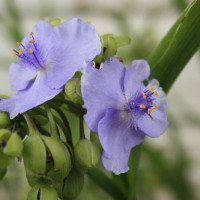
x=73 y=89
x=60 y=157
x=14 y=146
x=73 y=185
x=4 y=160
x=34 y=154
x=4 y=120
x=4 y=136
x=40 y=192
x=95 y=138
x=87 y=154
x=110 y=44
x=55 y=22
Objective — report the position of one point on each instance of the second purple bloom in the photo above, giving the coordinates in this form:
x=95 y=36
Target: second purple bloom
x=122 y=110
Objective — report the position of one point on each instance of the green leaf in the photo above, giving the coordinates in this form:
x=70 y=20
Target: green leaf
x=177 y=47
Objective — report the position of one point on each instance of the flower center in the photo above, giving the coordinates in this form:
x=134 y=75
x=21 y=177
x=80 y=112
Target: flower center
x=29 y=53
x=143 y=103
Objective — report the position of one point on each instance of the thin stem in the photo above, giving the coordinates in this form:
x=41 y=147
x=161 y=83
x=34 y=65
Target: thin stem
x=53 y=126
x=31 y=125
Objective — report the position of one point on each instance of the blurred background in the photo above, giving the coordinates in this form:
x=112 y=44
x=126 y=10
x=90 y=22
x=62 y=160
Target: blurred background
x=170 y=165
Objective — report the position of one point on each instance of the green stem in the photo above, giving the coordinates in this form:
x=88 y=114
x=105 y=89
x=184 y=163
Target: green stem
x=53 y=126
x=31 y=125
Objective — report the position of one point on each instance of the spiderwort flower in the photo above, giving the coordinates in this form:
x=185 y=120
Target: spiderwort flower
x=47 y=58
x=122 y=109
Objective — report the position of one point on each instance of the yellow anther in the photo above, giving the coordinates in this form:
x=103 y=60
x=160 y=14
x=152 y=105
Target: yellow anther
x=31 y=33
x=20 y=51
x=14 y=55
x=155 y=106
x=19 y=43
x=144 y=96
x=155 y=93
x=142 y=106
x=30 y=50
x=150 y=110
x=151 y=89
x=31 y=41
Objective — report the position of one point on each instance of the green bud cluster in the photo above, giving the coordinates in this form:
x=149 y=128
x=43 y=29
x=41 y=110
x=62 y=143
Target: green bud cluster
x=46 y=159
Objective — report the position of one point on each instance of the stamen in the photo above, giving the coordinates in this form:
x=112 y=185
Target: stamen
x=31 y=33
x=30 y=50
x=150 y=110
x=155 y=93
x=142 y=106
x=19 y=43
x=20 y=51
x=31 y=41
x=155 y=106
x=144 y=96
x=151 y=89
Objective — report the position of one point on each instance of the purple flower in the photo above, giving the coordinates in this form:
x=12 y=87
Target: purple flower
x=47 y=58
x=122 y=109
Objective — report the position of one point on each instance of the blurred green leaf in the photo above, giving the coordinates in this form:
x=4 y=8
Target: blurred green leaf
x=177 y=47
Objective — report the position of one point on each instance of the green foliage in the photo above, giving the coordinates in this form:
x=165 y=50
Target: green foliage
x=177 y=47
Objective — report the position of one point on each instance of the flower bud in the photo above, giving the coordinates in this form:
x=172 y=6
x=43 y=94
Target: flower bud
x=34 y=154
x=40 y=192
x=73 y=89
x=4 y=160
x=4 y=120
x=95 y=138
x=61 y=159
x=110 y=44
x=2 y=173
x=73 y=185
x=87 y=154
x=4 y=136
x=14 y=146
x=55 y=22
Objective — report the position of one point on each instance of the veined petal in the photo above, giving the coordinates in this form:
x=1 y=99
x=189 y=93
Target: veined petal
x=35 y=94
x=102 y=89
x=76 y=43
x=153 y=125
x=117 y=137
x=136 y=72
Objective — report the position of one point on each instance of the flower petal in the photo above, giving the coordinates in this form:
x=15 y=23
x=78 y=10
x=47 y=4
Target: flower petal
x=102 y=89
x=20 y=76
x=37 y=93
x=136 y=72
x=117 y=138
x=153 y=125
x=76 y=43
